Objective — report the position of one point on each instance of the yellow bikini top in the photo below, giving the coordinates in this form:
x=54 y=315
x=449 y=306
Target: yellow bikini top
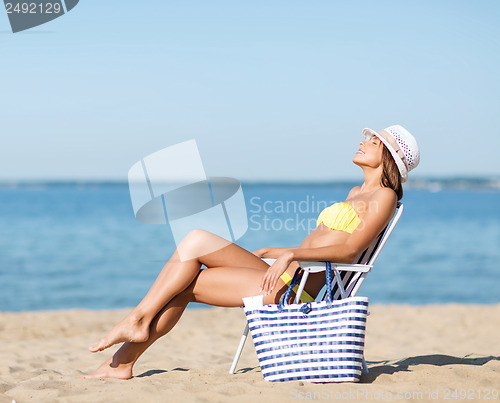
x=339 y=216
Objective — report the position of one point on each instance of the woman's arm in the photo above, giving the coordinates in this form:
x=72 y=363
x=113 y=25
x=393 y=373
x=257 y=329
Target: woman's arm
x=274 y=253
x=378 y=214
x=270 y=253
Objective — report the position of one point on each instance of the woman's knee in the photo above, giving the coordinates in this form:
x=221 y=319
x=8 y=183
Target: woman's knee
x=195 y=236
x=199 y=242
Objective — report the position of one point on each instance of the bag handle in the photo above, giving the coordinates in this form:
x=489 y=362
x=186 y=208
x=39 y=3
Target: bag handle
x=296 y=279
x=328 y=274
x=286 y=296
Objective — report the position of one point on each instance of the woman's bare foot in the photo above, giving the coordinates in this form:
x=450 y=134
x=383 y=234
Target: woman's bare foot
x=129 y=329
x=111 y=370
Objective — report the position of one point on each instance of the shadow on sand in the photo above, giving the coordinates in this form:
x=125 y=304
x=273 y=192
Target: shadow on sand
x=152 y=372
x=378 y=368
x=391 y=367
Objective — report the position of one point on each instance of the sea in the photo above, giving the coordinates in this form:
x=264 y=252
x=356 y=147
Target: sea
x=78 y=244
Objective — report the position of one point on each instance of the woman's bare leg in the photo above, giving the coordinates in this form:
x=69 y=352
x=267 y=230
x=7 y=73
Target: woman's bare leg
x=224 y=286
x=174 y=278
x=120 y=364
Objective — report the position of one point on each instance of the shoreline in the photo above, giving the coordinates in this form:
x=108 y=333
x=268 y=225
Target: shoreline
x=200 y=307
x=427 y=350
x=125 y=310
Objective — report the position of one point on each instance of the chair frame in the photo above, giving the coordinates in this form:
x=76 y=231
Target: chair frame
x=348 y=285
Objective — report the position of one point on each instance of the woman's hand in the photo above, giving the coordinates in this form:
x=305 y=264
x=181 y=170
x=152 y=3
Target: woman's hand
x=275 y=271
x=261 y=252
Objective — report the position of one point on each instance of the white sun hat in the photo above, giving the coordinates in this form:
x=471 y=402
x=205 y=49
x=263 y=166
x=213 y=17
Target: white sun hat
x=402 y=146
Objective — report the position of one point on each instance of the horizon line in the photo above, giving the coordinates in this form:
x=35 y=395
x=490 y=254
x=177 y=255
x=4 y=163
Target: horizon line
x=449 y=178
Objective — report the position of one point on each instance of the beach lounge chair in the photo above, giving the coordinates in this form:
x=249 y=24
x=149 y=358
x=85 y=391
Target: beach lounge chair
x=347 y=278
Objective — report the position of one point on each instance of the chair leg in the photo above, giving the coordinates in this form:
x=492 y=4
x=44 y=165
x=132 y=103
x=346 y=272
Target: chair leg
x=240 y=349
x=365 y=368
x=301 y=286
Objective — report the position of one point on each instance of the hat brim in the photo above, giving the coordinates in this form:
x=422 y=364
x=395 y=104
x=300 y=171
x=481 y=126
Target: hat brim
x=368 y=133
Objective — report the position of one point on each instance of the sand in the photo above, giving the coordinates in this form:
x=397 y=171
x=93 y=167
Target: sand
x=422 y=353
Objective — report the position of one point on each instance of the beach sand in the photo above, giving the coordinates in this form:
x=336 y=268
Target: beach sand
x=414 y=353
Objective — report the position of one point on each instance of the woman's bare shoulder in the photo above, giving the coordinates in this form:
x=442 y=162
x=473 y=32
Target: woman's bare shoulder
x=386 y=194
x=384 y=200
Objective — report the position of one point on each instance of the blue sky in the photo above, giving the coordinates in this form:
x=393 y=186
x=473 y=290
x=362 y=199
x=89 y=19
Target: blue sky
x=269 y=89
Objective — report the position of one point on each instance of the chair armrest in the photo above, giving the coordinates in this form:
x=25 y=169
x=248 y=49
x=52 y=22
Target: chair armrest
x=316 y=267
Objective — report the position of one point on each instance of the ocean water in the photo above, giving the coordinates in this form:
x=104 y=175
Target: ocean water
x=79 y=246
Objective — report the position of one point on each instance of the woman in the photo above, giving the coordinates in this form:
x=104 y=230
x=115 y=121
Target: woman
x=344 y=231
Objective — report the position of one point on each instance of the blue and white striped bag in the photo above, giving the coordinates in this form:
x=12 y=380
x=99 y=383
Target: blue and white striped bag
x=314 y=341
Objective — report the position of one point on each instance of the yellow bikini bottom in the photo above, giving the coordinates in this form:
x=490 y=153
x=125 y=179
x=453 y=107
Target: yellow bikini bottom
x=305 y=297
